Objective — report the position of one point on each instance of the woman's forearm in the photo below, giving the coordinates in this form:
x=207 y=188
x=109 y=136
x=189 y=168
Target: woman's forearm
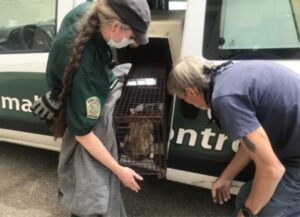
x=96 y=148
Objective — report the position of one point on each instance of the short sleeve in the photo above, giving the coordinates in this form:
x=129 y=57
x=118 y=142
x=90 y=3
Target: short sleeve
x=57 y=60
x=236 y=115
x=61 y=47
x=84 y=103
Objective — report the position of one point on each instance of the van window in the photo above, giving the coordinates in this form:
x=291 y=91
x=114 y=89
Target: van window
x=252 y=29
x=177 y=5
x=27 y=26
x=167 y=4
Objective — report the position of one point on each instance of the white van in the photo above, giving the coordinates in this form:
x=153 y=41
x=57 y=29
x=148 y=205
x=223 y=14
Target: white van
x=190 y=148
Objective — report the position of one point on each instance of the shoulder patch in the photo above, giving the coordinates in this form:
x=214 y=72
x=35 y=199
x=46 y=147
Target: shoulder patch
x=93 y=107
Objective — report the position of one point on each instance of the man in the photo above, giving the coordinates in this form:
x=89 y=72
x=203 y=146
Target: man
x=257 y=102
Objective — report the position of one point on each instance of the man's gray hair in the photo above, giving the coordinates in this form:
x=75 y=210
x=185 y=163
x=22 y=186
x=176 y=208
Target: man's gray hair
x=188 y=72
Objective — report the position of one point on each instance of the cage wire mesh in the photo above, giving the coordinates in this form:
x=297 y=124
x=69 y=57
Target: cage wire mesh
x=140 y=119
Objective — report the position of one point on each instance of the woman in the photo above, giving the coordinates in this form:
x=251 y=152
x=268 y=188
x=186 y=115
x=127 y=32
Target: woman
x=80 y=78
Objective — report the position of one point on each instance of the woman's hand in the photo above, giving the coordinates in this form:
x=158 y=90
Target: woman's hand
x=220 y=190
x=128 y=176
x=95 y=147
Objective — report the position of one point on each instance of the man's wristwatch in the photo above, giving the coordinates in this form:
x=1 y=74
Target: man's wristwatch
x=247 y=212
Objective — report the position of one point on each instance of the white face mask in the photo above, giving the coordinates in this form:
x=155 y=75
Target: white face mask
x=203 y=108
x=123 y=43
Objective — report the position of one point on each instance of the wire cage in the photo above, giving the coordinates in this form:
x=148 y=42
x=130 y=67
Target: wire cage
x=140 y=119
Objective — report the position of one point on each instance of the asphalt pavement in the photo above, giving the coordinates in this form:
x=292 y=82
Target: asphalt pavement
x=28 y=188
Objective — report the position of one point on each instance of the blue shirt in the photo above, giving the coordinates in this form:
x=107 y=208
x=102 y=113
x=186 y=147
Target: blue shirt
x=251 y=94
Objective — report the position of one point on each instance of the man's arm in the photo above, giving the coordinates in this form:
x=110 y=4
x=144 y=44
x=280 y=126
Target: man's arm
x=269 y=169
x=220 y=188
x=240 y=160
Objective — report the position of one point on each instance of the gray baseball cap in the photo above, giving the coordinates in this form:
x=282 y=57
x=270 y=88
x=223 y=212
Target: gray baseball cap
x=136 y=14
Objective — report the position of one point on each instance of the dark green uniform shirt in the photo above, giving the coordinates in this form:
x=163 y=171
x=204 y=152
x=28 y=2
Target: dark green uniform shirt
x=90 y=85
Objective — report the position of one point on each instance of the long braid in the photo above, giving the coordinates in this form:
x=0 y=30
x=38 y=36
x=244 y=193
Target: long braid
x=99 y=14
x=85 y=28
x=83 y=37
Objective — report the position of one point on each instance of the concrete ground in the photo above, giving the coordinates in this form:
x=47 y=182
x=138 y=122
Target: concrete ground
x=28 y=186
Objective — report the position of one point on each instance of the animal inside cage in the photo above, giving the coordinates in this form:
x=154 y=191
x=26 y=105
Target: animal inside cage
x=140 y=119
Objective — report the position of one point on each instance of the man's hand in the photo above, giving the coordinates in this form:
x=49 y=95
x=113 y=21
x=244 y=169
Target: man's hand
x=46 y=107
x=220 y=190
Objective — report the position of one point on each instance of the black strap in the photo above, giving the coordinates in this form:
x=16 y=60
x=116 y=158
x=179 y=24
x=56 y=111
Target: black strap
x=247 y=212
x=55 y=91
x=208 y=91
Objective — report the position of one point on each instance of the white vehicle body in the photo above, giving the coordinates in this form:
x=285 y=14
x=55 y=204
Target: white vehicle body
x=185 y=37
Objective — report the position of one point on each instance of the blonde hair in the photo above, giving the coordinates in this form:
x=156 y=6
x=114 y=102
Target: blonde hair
x=106 y=15
x=100 y=13
x=188 y=72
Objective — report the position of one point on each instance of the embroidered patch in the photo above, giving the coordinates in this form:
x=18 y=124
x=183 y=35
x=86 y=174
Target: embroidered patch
x=93 y=107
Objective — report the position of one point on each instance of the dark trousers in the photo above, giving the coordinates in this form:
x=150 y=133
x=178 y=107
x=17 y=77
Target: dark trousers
x=285 y=201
